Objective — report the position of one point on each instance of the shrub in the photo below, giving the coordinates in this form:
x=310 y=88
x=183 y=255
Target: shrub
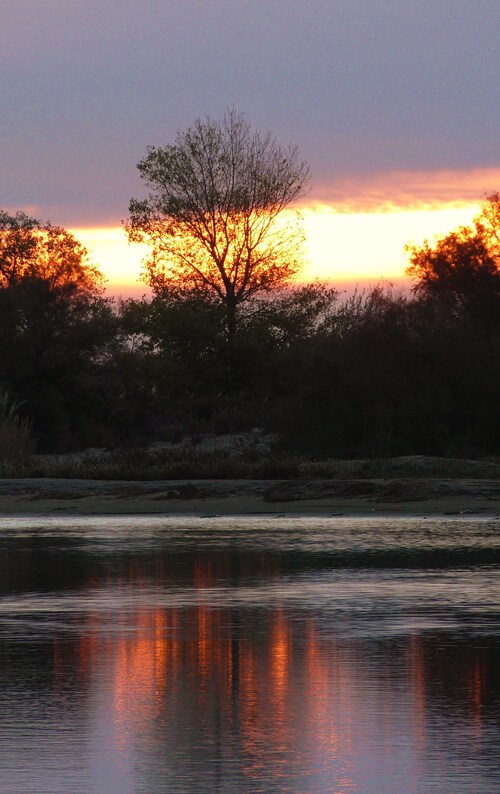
x=16 y=436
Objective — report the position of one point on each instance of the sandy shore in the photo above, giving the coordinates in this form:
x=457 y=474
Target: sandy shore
x=249 y=497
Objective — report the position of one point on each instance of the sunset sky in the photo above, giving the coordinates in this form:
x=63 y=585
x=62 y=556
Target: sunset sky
x=393 y=103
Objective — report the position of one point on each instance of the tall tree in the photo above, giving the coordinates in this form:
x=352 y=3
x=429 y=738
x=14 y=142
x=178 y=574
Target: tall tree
x=214 y=216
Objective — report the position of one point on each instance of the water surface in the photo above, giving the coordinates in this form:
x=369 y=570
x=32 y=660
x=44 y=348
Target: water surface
x=151 y=655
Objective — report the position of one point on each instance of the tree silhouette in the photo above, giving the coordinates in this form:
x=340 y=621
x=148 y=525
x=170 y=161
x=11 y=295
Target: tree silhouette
x=462 y=269
x=54 y=324
x=214 y=217
x=487 y=223
x=30 y=249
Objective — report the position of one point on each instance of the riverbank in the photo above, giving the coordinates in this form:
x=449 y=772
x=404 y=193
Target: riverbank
x=395 y=496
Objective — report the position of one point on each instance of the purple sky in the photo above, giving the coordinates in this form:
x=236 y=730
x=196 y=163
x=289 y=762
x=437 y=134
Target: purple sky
x=366 y=88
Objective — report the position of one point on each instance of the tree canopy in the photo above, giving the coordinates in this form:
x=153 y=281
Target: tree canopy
x=214 y=217
x=30 y=249
x=462 y=269
x=56 y=323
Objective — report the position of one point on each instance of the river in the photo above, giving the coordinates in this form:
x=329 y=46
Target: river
x=282 y=655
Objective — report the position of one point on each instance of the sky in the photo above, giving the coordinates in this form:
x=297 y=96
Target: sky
x=393 y=103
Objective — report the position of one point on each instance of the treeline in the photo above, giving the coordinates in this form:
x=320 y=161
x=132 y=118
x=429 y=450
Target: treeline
x=381 y=373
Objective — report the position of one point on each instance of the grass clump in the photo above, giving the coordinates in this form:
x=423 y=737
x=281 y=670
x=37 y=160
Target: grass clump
x=16 y=436
x=177 y=463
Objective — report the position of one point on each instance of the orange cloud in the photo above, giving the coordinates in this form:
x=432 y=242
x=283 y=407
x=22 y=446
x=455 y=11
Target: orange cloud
x=382 y=192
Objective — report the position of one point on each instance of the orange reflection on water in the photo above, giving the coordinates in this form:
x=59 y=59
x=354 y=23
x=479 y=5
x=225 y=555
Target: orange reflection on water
x=140 y=670
x=330 y=689
x=476 y=678
x=275 y=687
x=249 y=708
x=417 y=677
x=279 y=650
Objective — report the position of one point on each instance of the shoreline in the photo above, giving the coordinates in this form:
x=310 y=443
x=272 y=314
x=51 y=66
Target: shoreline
x=314 y=497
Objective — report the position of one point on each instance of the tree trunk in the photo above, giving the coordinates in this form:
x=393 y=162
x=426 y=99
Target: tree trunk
x=231 y=317
x=232 y=363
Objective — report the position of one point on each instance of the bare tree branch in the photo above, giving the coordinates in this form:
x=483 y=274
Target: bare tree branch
x=211 y=217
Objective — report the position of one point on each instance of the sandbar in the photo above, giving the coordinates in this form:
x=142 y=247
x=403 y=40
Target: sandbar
x=309 y=497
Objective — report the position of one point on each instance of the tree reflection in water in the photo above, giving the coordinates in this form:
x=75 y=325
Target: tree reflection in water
x=267 y=694
x=175 y=669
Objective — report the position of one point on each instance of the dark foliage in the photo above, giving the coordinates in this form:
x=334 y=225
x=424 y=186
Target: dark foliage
x=405 y=377
x=381 y=374
x=55 y=328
